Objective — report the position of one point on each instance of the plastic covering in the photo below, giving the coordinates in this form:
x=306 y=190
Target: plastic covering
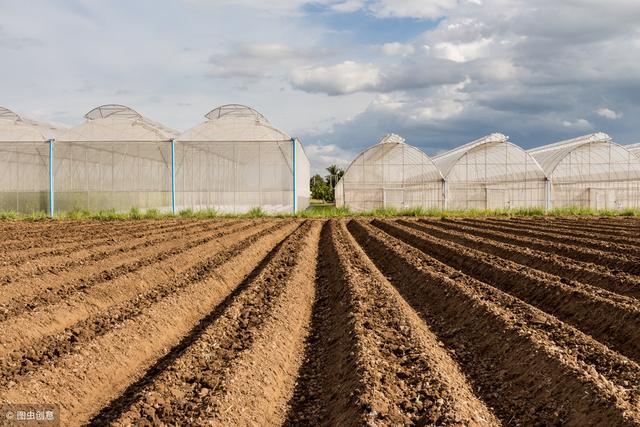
x=591 y=171
x=634 y=148
x=236 y=161
x=390 y=174
x=491 y=173
x=117 y=159
x=24 y=163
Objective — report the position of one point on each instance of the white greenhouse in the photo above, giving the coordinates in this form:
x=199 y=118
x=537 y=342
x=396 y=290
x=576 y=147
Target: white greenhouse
x=592 y=172
x=634 y=148
x=236 y=160
x=390 y=174
x=117 y=159
x=491 y=173
x=24 y=163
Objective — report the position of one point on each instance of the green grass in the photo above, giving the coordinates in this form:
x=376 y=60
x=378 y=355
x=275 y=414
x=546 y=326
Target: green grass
x=314 y=212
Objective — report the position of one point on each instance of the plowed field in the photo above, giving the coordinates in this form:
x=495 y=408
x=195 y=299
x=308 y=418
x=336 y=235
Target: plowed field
x=400 y=321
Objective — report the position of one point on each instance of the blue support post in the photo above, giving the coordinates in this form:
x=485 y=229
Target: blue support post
x=51 y=191
x=295 y=183
x=173 y=176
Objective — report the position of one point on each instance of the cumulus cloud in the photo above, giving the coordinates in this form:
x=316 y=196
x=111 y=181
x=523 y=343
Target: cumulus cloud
x=344 y=78
x=608 y=113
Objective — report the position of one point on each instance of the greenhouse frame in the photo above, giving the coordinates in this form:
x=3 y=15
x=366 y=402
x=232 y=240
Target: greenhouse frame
x=25 y=147
x=634 y=148
x=491 y=173
x=118 y=159
x=236 y=160
x=590 y=171
x=390 y=174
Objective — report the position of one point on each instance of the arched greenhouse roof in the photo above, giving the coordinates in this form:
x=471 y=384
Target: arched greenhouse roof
x=14 y=128
x=114 y=123
x=447 y=162
x=634 y=148
x=389 y=144
x=234 y=123
x=551 y=155
x=586 y=158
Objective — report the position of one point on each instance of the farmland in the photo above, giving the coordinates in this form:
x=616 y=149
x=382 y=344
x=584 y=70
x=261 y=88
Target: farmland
x=344 y=321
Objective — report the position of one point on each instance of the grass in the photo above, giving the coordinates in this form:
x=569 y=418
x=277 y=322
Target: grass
x=329 y=211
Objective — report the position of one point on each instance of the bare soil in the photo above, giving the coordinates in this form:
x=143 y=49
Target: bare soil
x=350 y=322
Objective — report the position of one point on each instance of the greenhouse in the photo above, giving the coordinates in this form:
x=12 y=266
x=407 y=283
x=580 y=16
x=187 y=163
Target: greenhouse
x=634 y=148
x=491 y=173
x=117 y=159
x=592 y=172
x=24 y=163
x=236 y=161
x=390 y=174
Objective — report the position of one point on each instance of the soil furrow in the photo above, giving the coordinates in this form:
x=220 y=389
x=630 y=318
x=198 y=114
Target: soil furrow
x=614 y=320
x=582 y=229
x=75 y=237
x=201 y=385
x=612 y=224
x=404 y=376
x=570 y=233
x=46 y=351
x=498 y=244
x=54 y=287
x=43 y=259
x=612 y=262
x=87 y=380
x=528 y=366
x=81 y=304
x=631 y=253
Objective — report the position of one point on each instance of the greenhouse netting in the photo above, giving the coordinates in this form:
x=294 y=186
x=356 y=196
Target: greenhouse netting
x=24 y=163
x=236 y=160
x=117 y=159
x=390 y=174
x=491 y=173
x=591 y=171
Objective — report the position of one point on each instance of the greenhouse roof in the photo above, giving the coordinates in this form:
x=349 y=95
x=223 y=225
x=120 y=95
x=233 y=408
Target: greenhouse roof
x=386 y=145
x=549 y=156
x=15 y=128
x=446 y=161
x=234 y=123
x=113 y=122
x=634 y=148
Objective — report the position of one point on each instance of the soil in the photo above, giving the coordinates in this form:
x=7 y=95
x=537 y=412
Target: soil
x=395 y=321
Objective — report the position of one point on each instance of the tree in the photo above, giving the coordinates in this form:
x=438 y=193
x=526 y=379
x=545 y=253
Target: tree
x=335 y=173
x=319 y=188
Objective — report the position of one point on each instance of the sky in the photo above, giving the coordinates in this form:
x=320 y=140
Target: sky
x=338 y=74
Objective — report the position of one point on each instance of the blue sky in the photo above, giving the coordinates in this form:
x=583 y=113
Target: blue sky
x=339 y=74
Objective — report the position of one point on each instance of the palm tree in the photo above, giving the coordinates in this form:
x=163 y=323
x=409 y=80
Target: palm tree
x=335 y=173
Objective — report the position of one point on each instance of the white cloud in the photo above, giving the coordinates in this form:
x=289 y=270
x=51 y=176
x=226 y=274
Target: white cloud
x=396 y=48
x=463 y=52
x=608 y=113
x=411 y=8
x=577 y=124
x=344 y=78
